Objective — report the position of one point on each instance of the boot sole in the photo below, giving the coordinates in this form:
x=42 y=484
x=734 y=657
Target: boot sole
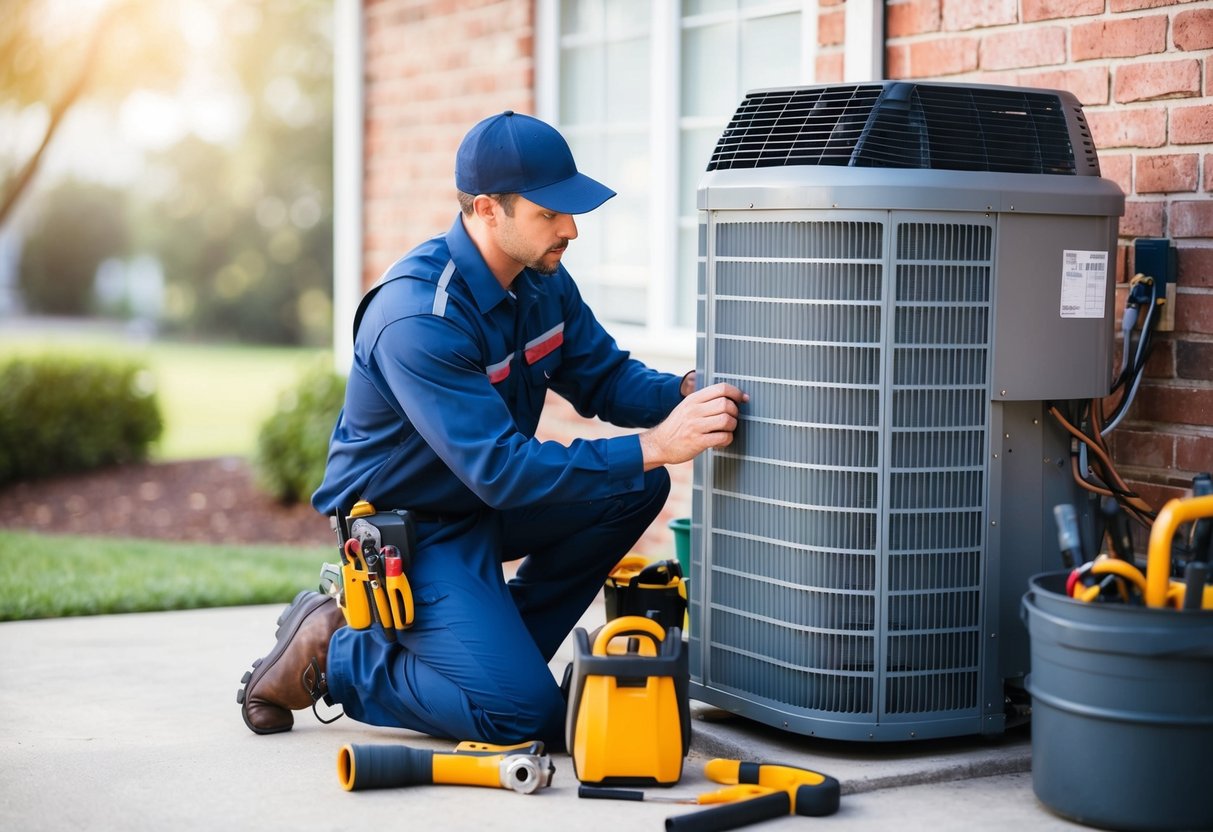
x=288 y=624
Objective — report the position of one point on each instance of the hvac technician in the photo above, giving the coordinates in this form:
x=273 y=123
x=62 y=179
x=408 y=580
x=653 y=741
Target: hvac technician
x=455 y=349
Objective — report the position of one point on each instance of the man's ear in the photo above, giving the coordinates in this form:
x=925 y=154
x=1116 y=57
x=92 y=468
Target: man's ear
x=486 y=209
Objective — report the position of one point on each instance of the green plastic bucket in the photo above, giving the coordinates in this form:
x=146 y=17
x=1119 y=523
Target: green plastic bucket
x=1122 y=710
x=681 y=527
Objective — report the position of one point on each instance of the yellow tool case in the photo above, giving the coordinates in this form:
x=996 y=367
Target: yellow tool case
x=628 y=721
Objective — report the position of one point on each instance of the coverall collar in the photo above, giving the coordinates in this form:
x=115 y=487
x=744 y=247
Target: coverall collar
x=480 y=280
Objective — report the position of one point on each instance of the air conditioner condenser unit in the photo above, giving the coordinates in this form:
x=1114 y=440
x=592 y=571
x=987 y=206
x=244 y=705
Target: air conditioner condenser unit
x=902 y=276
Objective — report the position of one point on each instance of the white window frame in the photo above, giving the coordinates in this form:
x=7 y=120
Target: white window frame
x=660 y=339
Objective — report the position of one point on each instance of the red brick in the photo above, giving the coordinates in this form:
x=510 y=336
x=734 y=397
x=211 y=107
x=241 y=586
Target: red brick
x=1089 y=84
x=912 y=18
x=1193 y=30
x=897 y=61
x=831 y=27
x=1195 y=266
x=1194 y=313
x=1137 y=5
x=1194 y=359
x=1158 y=79
x=1172 y=173
x=1209 y=171
x=1192 y=125
x=1161 y=361
x=1192 y=218
x=1122 y=260
x=1142 y=219
x=1143 y=448
x=1003 y=77
x=1026 y=47
x=1129 y=128
x=1124 y=38
x=830 y=67
x=1118 y=168
x=1158 y=494
x=975 y=14
x=1052 y=9
x=945 y=56
x=1194 y=453
x=1174 y=404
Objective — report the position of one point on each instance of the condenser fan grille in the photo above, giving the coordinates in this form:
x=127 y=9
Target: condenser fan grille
x=901 y=125
x=847 y=515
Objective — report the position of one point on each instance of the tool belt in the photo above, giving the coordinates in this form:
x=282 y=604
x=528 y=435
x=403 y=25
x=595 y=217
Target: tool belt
x=370 y=583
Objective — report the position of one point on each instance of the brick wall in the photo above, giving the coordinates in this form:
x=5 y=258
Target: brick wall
x=1143 y=70
x=433 y=69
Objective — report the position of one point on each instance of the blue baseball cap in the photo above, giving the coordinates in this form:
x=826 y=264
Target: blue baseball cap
x=511 y=153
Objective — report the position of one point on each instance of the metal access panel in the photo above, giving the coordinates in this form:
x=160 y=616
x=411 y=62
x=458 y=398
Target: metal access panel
x=1052 y=310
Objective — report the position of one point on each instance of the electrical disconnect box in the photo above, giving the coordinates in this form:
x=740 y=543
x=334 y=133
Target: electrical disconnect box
x=902 y=276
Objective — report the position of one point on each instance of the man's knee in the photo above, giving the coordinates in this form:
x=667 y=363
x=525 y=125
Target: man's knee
x=655 y=490
x=657 y=482
x=539 y=716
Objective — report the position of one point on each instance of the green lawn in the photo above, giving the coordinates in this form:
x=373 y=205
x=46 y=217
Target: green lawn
x=213 y=397
x=49 y=576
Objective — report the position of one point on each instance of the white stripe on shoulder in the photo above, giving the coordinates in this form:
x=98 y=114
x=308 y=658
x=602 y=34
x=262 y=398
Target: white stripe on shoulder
x=440 y=296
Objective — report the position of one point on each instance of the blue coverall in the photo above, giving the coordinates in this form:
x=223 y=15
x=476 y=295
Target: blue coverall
x=449 y=377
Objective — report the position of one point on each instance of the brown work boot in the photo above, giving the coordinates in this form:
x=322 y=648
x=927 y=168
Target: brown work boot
x=292 y=676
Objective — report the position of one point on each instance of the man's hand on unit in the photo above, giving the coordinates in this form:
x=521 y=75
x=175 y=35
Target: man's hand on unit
x=704 y=419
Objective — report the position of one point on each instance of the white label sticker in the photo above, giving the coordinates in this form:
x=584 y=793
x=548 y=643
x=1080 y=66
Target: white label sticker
x=1084 y=281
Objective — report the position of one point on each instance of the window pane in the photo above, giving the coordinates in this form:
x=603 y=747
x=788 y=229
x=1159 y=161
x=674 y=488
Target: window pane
x=581 y=85
x=627 y=163
x=709 y=70
x=628 y=82
x=580 y=16
x=627 y=15
x=626 y=217
x=584 y=256
x=688 y=260
x=625 y=304
x=695 y=148
x=690 y=7
x=770 y=52
x=587 y=152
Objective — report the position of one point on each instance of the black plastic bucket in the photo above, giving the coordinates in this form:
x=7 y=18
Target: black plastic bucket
x=1122 y=710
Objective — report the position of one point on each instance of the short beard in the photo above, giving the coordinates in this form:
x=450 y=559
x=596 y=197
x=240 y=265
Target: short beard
x=539 y=267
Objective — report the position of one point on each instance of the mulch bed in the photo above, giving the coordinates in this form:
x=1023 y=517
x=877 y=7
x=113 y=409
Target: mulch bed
x=207 y=501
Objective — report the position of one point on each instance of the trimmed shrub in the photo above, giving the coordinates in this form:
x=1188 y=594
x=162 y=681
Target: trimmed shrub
x=61 y=415
x=293 y=444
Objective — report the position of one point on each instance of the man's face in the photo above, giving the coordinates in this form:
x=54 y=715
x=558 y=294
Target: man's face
x=535 y=237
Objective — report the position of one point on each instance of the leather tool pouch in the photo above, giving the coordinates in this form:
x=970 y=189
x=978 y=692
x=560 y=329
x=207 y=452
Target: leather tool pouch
x=376 y=552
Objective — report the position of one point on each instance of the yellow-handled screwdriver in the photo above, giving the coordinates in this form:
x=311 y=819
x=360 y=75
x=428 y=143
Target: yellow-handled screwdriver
x=812 y=793
x=731 y=794
x=523 y=768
